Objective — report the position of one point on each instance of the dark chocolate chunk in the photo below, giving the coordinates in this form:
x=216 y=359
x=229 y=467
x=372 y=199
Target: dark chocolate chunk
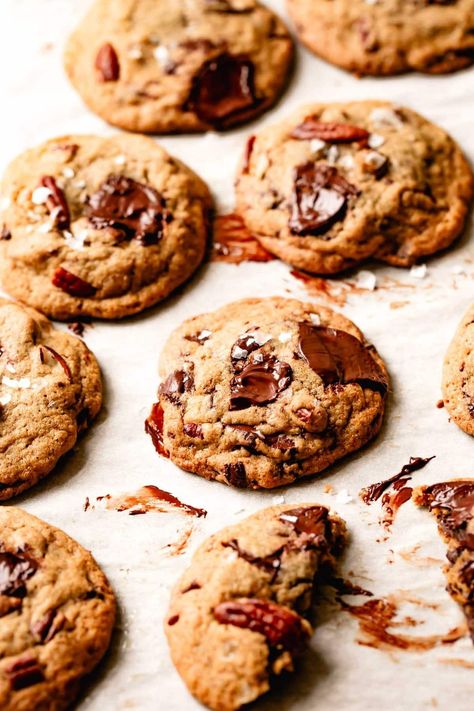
x=107 y=63
x=56 y=202
x=236 y=475
x=134 y=209
x=176 y=384
x=223 y=89
x=339 y=357
x=259 y=382
x=319 y=198
x=15 y=570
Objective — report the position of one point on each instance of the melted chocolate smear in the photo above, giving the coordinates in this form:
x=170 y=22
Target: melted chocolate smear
x=456 y=498
x=145 y=500
x=15 y=570
x=339 y=357
x=135 y=209
x=281 y=626
x=319 y=199
x=346 y=587
x=259 y=382
x=376 y=617
x=154 y=427
x=223 y=90
x=234 y=243
x=269 y=563
x=375 y=491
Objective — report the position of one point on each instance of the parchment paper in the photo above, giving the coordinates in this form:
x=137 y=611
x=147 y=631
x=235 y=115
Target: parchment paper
x=115 y=456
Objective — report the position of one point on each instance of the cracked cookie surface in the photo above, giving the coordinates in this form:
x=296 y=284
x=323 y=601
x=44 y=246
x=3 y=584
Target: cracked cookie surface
x=458 y=374
x=162 y=66
x=237 y=617
x=336 y=184
x=452 y=504
x=383 y=37
x=57 y=613
x=50 y=390
x=102 y=227
x=263 y=392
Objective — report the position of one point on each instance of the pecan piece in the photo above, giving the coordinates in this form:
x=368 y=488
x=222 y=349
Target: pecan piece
x=56 y=202
x=72 y=284
x=329 y=132
x=107 y=63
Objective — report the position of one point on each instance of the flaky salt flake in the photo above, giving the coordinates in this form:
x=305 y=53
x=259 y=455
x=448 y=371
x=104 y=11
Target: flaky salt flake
x=332 y=155
x=278 y=500
x=40 y=195
x=204 y=334
x=76 y=242
x=346 y=161
x=375 y=140
x=162 y=55
x=120 y=160
x=343 y=497
x=366 y=280
x=21 y=384
x=135 y=53
x=5 y=399
x=383 y=116
x=289 y=517
x=80 y=184
x=260 y=338
x=261 y=166
x=68 y=173
x=315 y=319
x=419 y=271
x=285 y=336
x=11 y=368
x=317 y=145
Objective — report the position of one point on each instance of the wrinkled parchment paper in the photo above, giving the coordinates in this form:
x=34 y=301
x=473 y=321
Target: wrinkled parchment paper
x=411 y=320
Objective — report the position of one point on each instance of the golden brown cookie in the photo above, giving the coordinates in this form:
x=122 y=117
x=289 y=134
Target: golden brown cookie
x=50 y=390
x=452 y=503
x=237 y=617
x=388 y=36
x=458 y=375
x=57 y=613
x=162 y=66
x=101 y=227
x=264 y=392
x=335 y=184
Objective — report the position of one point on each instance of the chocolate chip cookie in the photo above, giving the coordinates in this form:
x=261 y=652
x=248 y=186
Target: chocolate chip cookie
x=388 y=36
x=336 y=184
x=50 y=390
x=452 y=503
x=57 y=612
x=161 y=66
x=237 y=616
x=264 y=392
x=100 y=227
x=458 y=375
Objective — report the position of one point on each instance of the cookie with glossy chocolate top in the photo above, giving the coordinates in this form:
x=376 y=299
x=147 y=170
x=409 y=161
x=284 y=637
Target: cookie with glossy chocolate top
x=57 y=613
x=101 y=227
x=458 y=375
x=336 y=184
x=50 y=390
x=384 y=37
x=161 y=66
x=237 y=617
x=452 y=503
x=264 y=392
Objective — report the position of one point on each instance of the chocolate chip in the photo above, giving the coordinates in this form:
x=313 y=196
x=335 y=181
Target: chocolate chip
x=15 y=570
x=319 y=199
x=107 y=63
x=339 y=357
x=72 y=284
x=154 y=427
x=24 y=672
x=176 y=384
x=5 y=234
x=173 y=620
x=329 y=132
x=223 y=90
x=236 y=475
x=134 y=209
x=279 y=625
x=56 y=202
x=259 y=382
x=193 y=430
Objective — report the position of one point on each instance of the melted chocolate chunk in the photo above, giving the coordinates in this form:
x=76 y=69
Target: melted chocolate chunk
x=236 y=475
x=134 y=209
x=242 y=348
x=72 y=284
x=223 y=89
x=312 y=523
x=456 y=498
x=259 y=382
x=176 y=384
x=339 y=357
x=15 y=570
x=56 y=202
x=329 y=132
x=269 y=563
x=107 y=63
x=279 y=625
x=319 y=198
x=375 y=491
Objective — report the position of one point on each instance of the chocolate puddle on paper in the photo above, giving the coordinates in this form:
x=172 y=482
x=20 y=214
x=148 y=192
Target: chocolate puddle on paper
x=233 y=243
x=147 y=499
